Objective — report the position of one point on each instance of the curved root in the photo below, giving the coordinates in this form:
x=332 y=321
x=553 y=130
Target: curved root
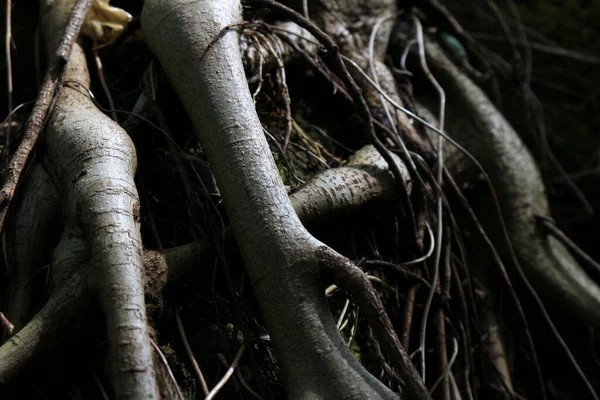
x=281 y=257
x=30 y=236
x=517 y=181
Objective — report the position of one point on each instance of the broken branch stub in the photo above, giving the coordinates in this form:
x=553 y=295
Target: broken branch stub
x=281 y=257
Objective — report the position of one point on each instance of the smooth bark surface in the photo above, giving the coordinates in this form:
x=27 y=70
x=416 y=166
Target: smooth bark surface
x=517 y=181
x=279 y=254
x=94 y=162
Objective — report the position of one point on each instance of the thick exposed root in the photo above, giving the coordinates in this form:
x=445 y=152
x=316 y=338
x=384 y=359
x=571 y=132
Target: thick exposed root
x=365 y=180
x=30 y=237
x=93 y=161
x=351 y=25
x=281 y=257
x=67 y=304
x=210 y=57
x=517 y=181
x=47 y=328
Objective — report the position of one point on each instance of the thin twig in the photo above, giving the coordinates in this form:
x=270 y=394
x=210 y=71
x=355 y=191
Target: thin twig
x=169 y=371
x=6 y=324
x=439 y=179
x=277 y=55
x=454 y=387
x=396 y=267
x=408 y=313
x=305 y=9
x=441 y=332
x=448 y=367
x=190 y=354
x=7 y=44
x=405 y=53
x=396 y=134
x=103 y=83
x=553 y=50
x=241 y=380
x=550 y=225
x=468 y=358
x=228 y=374
x=343 y=314
x=98 y=383
x=354 y=326
x=17 y=108
x=42 y=106
x=429 y=252
x=255 y=40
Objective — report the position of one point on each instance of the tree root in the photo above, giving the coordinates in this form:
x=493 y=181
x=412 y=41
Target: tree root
x=72 y=22
x=366 y=177
x=517 y=181
x=281 y=257
x=48 y=327
x=87 y=175
x=519 y=196
x=30 y=237
x=67 y=304
x=93 y=161
x=364 y=180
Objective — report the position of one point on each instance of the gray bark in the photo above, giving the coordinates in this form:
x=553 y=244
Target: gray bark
x=93 y=161
x=487 y=135
x=280 y=256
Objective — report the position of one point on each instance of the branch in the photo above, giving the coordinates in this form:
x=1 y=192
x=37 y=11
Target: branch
x=46 y=97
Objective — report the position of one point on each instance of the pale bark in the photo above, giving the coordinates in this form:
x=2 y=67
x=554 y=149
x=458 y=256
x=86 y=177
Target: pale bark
x=66 y=305
x=93 y=160
x=100 y=258
x=281 y=257
x=366 y=180
x=480 y=128
x=30 y=237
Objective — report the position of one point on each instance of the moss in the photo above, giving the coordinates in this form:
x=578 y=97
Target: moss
x=355 y=350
